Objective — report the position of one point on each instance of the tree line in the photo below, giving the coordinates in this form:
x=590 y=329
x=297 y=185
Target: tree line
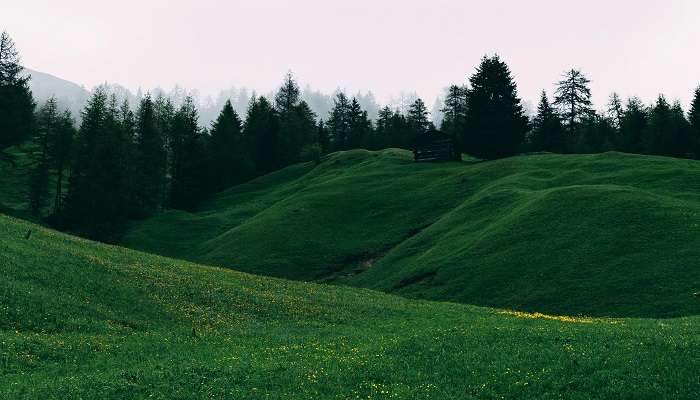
x=128 y=161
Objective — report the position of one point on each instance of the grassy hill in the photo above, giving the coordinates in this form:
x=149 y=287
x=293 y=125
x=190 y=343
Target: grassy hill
x=80 y=320
x=601 y=235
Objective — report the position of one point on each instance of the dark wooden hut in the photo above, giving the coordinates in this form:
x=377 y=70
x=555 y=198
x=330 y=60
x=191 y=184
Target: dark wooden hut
x=434 y=145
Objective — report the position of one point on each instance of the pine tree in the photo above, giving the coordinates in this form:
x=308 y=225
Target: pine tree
x=359 y=126
x=680 y=134
x=231 y=162
x=151 y=158
x=547 y=130
x=339 y=122
x=656 y=138
x=47 y=124
x=694 y=121
x=99 y=194
x=418 y=118
x=297 y=124
x=189 y=159
x=16 y=102
x=261 y=127
x=573 y=98
x=455 y=113
x=61 y=152
x=496 y=124
x=381 y=137
x=323 y=139
x=635 y=120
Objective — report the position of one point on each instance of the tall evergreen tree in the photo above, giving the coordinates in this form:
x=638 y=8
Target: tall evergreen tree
x=261 y=127
x=16 y=102
x=151 y=158
x=455 y=113
x=656 y=138
x=359 y=126
x=61 y=152
x=98 y=196
x=189 y=170
x=635 y=120
x=297 y=123
x=694 y=121
x=417 y=118
x=231 y=163
x=547 y=130
x=496 y=124
x=381 y=136
x=47 y=125
x=573 y=98
x=339 y=122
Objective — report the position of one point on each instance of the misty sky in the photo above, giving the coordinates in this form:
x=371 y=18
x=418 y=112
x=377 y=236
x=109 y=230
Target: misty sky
x=635 y=47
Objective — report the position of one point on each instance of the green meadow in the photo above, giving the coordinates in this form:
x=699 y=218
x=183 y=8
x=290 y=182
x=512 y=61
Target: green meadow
x=81 y=320
x=607 y=235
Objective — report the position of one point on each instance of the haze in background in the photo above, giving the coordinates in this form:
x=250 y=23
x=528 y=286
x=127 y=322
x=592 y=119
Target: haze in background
x=390 y=47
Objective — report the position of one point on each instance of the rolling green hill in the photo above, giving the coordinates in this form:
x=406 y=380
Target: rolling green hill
x=80 y=320
x=602 y=235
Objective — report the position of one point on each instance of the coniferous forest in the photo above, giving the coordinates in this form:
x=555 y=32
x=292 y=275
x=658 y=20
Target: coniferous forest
x=129 y=161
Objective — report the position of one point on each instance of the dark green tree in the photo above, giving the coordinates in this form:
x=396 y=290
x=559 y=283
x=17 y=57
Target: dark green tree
x=547 y=130
x=61 y=152
x=231 y=162
x=694 y=121
x=339 y=122
x=573 y=98
x=455 y=113
x=359 y=126
x=496 y=124
x=16 y=102
x=324 y=140
x=47 y=123
x=417 y=118
x=635 y=120
x=656 y=139
x=99 y=195
x=297 y=123
x=188 y=186
x=261 y=128
x=151 y=158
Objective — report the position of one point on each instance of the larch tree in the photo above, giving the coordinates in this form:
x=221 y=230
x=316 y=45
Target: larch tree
x=573 y=99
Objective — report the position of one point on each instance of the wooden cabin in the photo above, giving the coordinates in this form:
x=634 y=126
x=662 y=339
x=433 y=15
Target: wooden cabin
x=434 y=145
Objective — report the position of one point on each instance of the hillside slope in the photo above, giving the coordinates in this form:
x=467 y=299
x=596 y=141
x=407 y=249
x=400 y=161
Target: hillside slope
x=604 y=235
x=90 y=321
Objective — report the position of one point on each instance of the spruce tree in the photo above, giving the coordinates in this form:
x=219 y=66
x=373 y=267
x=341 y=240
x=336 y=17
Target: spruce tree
x=547 y=130
x=455 y=113
x=417 y=118
x=656 y=138
x=151 y=158
x=297 y=124
x=98 y=198
x=339 y=122
x=16 y=102
x=189 y=159
x=231 y=162
x=496 y=124
x=694 y=121
x=359 y=126
x=261 y=128
x=381 y=137
x=635 y=120
x=573 y=98
x=61 y=152
x=47 y=125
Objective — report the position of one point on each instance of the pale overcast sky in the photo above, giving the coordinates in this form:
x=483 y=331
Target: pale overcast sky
x=635 y=47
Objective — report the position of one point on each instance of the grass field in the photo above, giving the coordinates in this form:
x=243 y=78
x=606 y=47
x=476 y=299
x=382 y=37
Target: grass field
x=600 y=235
x=80 y=320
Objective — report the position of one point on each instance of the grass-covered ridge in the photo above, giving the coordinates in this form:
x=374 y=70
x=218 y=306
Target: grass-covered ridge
x=607 y=234
x=90 y=321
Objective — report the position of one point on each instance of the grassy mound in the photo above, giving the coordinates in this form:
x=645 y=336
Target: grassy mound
x=90 y=321
x=603 y=235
